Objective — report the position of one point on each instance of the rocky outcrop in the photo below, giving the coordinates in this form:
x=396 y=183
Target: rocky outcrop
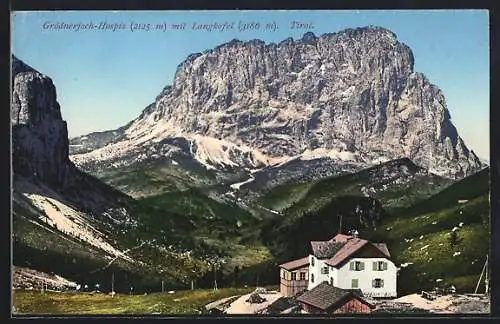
x=39 y=135
x=351 y=95
x=40 y=155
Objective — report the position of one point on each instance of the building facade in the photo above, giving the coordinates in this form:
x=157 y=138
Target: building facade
x=349 y=262
x=375 y=277
x=294 y=277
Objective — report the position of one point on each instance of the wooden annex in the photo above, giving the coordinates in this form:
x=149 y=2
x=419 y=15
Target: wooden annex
x=294 y=277
x=328 y=299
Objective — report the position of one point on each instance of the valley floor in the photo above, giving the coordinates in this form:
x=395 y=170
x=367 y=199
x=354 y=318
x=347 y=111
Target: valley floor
x=230 y=301
x=34 y=302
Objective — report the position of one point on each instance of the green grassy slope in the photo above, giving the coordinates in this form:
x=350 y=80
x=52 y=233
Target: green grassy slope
x=413 y=217
x=153 y=178
x=175 y=236
x=396 y=184
x=44 y=248
x=178 y=231
x=474 y=186
x=192 y=213
x=192 y=221
x=422 y=235
x=289 y=237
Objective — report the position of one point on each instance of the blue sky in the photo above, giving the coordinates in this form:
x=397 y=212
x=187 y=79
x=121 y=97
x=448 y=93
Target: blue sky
x=104 y=79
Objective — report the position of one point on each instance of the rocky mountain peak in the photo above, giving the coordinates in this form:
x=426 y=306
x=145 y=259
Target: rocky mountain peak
x=40 y=146
x=309 y=38
x=350 y=96
x=39 y=134
x=19 y=66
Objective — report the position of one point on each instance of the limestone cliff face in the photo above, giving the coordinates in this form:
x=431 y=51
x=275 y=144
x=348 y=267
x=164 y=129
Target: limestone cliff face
x=40 y=152
x=352 y=96
x=39 y=134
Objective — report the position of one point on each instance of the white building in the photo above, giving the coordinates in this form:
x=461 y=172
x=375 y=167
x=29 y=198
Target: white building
x=349 y=262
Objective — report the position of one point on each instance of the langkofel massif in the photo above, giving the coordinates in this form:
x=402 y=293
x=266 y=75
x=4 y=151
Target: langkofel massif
x=350 y=98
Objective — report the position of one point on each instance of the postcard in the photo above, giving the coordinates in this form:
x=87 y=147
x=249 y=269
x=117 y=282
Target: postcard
x=260 y=163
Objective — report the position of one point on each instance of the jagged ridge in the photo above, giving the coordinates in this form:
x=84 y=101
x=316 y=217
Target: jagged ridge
x=351 y=95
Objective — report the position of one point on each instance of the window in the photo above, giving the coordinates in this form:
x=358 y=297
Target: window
x=356 y=265
x=379 y=266
x=294 y=276
x=282 y=273
x=312 y=277
x=324 y=270
x=302 y=276
x=354 y=283
x=378 y=283
x=331 y=281
x=312 y=261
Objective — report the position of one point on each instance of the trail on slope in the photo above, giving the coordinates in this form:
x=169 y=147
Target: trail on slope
x=121 y=256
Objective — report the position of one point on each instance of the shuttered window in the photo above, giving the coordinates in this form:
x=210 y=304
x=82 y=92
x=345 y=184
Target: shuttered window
x=312 y=277
x=377 y=283
x=294 y=276
x=302 y=276
x=354 y=283
x=379 y=265
x=356 y=266
x=331 y=281
x=312 y=261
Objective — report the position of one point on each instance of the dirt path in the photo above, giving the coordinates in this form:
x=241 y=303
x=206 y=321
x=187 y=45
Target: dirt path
x=241 y=306
x=448 y=303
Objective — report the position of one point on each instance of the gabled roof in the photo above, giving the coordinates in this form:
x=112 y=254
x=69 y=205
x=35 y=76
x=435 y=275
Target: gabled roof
x=325 y=296
x=326 y=249
x=349 y=248
x=341 y=247
x=295 y=264
x=383 y=248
